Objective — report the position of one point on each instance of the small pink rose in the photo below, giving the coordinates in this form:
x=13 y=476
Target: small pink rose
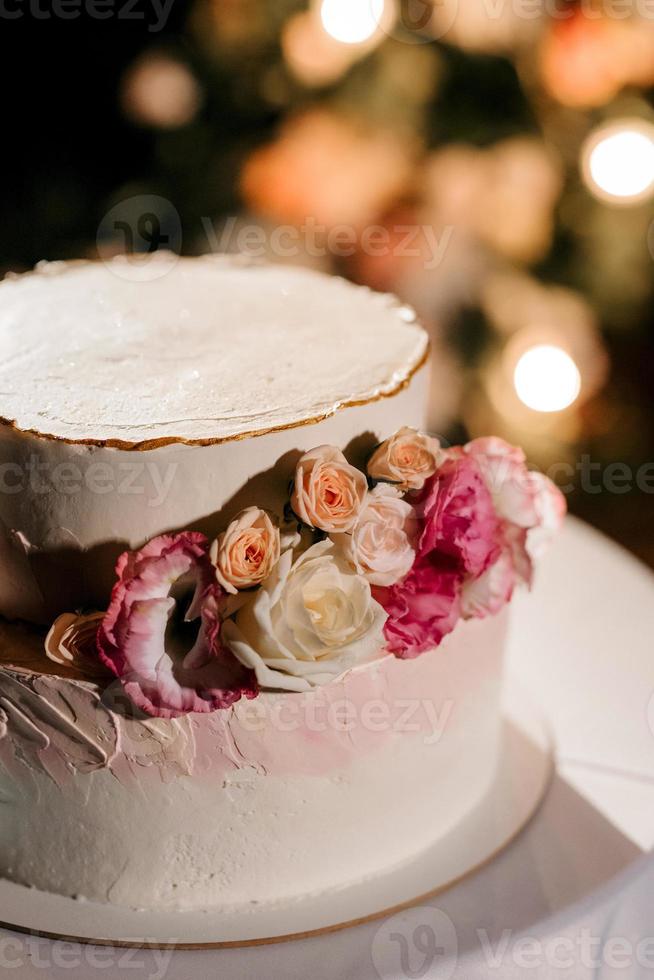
x=246 y=553
x=133 y=638
x=381 y=545
x=328 y=493
x=408 y=459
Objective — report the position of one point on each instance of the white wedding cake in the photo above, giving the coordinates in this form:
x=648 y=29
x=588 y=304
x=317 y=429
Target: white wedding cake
x=253 y=614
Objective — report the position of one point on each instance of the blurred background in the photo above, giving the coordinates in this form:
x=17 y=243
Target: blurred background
x=490 y=161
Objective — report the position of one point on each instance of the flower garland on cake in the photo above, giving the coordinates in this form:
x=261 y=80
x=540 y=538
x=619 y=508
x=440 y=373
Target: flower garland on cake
x=362 y=566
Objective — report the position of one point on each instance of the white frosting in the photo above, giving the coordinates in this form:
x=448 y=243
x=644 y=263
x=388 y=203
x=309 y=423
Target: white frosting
x=210 y=350
x=238 y=807
x=67 y=511
x=209 y=809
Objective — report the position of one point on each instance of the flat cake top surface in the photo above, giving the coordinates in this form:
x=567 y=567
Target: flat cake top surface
x=209 y=349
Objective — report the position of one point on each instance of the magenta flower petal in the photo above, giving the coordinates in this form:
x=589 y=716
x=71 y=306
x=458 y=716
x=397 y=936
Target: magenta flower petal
x=459 y=519
x=422 y=609
x=136 y=642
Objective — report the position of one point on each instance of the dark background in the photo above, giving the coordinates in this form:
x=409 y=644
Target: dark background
x=72 y=148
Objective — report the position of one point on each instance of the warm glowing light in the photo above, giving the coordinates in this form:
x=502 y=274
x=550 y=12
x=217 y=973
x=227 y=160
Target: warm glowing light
x=618 y=161
x=547 y=379
x=352 y=21
x=160 y=91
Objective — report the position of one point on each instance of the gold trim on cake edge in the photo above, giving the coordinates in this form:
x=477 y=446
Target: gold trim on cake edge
x=149 y=444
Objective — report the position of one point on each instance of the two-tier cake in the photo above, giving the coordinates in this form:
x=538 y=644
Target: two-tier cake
x=254 y=615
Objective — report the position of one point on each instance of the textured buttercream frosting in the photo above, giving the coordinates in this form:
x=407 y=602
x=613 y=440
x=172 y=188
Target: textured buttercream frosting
x=211 y=349
x=263 y=802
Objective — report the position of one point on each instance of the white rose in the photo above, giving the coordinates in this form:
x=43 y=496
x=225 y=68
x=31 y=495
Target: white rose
x=309 y=622
x=381 y=545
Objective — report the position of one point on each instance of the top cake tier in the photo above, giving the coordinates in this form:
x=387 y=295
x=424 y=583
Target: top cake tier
x=210 y=350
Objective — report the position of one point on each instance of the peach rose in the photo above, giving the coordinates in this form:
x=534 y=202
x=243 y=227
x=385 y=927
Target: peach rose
x=328 y=493
x=408 y=459
x=246 y=553
x=71 y=638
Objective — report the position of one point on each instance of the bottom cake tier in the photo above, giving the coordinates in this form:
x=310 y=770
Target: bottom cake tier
x=272 y=799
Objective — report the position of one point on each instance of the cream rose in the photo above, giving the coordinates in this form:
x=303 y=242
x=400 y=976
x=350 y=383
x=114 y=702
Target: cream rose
x=328 y=493
x=246 y=553
x=310 y=621
x=381 y=545
x=408 y=459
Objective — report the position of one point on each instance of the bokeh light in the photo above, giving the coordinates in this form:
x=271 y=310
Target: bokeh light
x=547 y=379
x=161 y=92
x=352 y=21
x=618 y=162
x=314 y=56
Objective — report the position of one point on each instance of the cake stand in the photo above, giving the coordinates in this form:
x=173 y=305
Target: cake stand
x=581 y=651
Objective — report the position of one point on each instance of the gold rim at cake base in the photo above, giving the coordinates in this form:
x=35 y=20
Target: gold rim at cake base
x=420 y=899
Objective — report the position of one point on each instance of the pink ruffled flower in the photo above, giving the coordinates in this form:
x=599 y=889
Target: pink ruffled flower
x=458 y=517
x=422 y=609
x=460 y=539
x=522 y=497
x=504 y=468
x=486 y=595
x=551 y=508
x=532 y=508
x=133 y=636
